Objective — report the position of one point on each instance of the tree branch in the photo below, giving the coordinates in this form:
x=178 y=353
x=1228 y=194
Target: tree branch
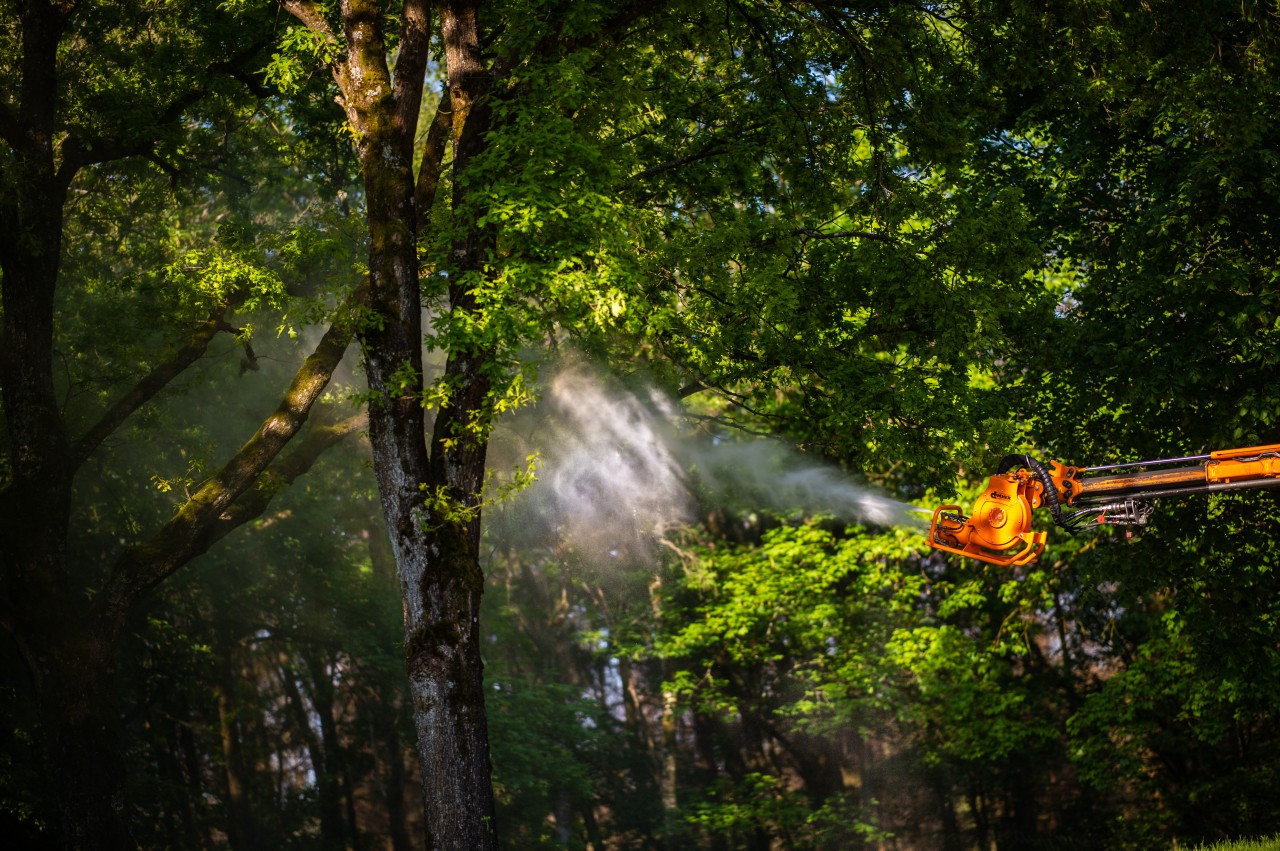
x=552 y=43
x=254 y=502
x=432 y=166
x=310 y=15
x=142 y=567
x=814 y=233
x=411 y=66
x=78 y=152
x=146 y=389
x=623 y=19
x=670 y=165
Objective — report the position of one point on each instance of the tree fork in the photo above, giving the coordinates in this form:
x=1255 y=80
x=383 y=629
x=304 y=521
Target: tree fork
x=437 y=560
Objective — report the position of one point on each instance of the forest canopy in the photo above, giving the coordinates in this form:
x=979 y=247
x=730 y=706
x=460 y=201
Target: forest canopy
x=484 y=425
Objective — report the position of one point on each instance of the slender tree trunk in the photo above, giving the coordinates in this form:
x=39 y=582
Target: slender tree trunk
x=670 y=803
x=385 y=717
x=241 y=829
x=337 y=776
x=395 y=795
x=323 y=759
x=595 y=839
x=563 y=815
x=163 y=742
x=952 y=835
x=633 y=714
x=349 y=799
x=193 y=777
x=707 y=731
x=668 y=774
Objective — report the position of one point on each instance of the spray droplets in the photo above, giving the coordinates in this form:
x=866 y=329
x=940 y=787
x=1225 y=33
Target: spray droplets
x=611 y=476
x=617 y=474
x=766 y=474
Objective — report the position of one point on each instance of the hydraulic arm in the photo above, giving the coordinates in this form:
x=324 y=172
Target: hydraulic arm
x=998 y=530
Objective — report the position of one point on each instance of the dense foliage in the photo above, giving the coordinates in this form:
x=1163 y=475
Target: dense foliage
x=903 y=238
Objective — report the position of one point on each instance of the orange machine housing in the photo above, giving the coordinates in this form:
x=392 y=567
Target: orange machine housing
x=999 y=529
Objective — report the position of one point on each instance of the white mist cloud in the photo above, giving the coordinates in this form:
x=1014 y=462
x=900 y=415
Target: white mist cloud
x=767 y=474
x=616 y=473
x=610 y=476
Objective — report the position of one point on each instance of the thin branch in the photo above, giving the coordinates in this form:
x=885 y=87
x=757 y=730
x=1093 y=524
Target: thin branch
x=302 y=720
x=411 y=66
x=814 y=233
x=146 y=389
x=433 y=158
x=733 y=424
x=670 y=165
x=552 y=43
x=714 y=146
x=619 y=22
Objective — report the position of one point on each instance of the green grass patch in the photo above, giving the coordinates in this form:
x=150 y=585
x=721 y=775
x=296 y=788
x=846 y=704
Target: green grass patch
x=1272 y=844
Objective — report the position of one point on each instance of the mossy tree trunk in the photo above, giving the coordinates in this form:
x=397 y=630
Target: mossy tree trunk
x=435 y=542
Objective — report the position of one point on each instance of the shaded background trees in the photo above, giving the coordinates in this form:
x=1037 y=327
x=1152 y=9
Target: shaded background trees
x=101 y=104
x=1156 y=198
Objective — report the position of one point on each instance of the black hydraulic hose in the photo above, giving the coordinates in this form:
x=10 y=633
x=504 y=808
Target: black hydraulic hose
x=1042 y=473
x=1008 y=462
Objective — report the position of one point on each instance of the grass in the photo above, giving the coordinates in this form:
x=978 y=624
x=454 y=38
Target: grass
x=1272 y=844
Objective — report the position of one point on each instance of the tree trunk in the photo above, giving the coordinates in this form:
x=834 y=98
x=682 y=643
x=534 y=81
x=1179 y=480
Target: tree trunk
x=82 y=739
x=321 y=751
x=336 y=793
x=385 y=718
x=70 y=664
x=69 y=656
x=669 y=776
x=446 y=681
x=242 y=832
x=397 y=826
x=66 y=642
x=436 y=551
x=193 y=777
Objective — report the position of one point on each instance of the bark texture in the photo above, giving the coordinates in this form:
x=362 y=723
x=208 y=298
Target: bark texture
x=436 y=554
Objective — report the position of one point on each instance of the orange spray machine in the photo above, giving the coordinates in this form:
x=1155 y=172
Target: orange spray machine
x=998 y=530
